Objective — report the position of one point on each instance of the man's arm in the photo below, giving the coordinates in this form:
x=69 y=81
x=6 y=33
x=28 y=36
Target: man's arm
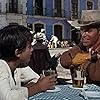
x=66 y=59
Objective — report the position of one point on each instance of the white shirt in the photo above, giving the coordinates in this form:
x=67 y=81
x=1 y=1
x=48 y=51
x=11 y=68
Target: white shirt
x=8 y=89
x=54 y=39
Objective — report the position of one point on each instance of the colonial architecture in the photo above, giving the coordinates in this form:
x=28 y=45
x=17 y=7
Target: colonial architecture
x=52 y=15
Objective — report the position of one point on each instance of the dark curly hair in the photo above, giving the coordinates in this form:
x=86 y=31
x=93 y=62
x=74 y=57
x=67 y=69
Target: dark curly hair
x=13 y=37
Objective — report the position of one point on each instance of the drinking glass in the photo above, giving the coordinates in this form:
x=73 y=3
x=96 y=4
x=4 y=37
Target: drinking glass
x=47 y=73
x=78 y=78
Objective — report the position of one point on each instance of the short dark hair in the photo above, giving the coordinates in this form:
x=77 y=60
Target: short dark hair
x=13 y=37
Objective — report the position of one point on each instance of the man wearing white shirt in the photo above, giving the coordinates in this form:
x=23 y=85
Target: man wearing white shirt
x=15 y=48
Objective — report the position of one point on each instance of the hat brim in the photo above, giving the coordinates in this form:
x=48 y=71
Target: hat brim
x=78 y=23
x=92 y=23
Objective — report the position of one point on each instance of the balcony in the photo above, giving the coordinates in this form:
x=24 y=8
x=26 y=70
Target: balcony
x=46 y=12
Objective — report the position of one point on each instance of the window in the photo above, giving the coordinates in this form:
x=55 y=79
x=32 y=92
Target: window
x=38 y=7
x=75 y=9
x=58 y=31
x=0 y=7
x=89 y=5
x=57 y=8
x=13 y=6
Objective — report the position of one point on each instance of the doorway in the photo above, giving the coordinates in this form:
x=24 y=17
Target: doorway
x=58 y=31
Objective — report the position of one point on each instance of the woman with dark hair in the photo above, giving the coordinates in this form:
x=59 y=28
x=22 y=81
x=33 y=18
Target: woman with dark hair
x=15 y=48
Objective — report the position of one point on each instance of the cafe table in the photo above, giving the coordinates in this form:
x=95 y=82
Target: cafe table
x=67 y=92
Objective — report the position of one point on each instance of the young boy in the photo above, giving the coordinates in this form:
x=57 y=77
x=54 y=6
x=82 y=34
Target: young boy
x=15 y=48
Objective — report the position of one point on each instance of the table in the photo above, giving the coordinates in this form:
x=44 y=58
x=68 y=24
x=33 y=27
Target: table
x=65 y=93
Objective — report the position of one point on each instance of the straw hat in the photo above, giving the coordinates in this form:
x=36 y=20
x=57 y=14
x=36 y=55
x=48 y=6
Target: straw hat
x=89 y=18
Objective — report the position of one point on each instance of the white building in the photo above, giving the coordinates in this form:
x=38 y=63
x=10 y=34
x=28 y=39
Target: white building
x=12 y=11
x=99 y=4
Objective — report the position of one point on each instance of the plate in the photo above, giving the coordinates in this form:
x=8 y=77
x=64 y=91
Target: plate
x=92 y=94
x=57 y=89
x=84 y=87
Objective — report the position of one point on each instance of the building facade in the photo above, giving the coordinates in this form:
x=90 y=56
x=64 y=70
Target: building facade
x=52 y=15
x=13 y=11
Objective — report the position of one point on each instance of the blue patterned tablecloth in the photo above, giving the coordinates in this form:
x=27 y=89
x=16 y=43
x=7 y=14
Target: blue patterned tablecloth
x=65 y=93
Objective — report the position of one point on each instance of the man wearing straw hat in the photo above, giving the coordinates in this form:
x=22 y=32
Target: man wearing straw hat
x=87 y=53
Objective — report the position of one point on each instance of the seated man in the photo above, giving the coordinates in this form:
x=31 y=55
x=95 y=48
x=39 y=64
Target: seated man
x=86 y=55
x=15 y=48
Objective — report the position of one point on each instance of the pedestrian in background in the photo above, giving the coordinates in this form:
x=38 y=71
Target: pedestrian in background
x=40 y=58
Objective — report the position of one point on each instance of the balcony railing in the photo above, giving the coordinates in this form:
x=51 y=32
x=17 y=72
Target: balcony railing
x=53 y=13
x=42 y=12
x=47 y=12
